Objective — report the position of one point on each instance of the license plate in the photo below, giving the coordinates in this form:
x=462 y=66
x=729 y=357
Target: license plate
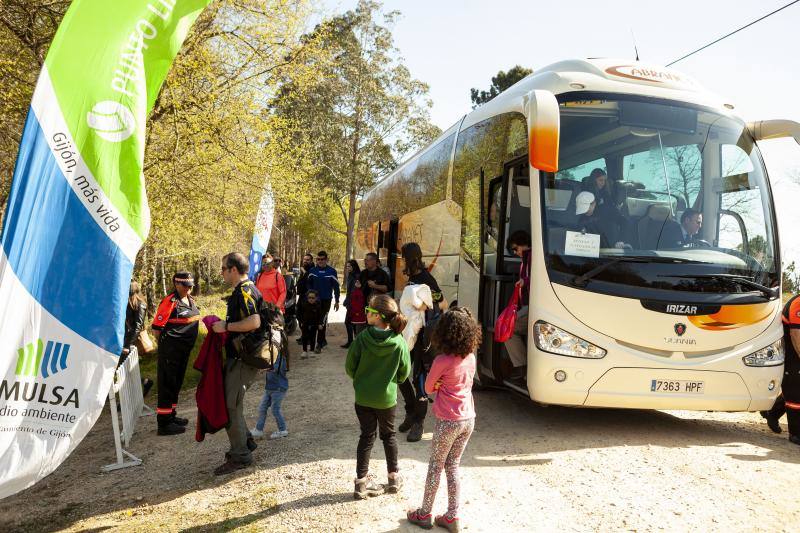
x=677 y=386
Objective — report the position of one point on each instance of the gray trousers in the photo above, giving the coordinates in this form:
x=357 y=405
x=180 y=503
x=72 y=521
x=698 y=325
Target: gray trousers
x=517 y=351
x=238 y=377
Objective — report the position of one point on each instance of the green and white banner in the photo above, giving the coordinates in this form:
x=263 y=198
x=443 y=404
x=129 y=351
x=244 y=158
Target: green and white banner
x=77 y=215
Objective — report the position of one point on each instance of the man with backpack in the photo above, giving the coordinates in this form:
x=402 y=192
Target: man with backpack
x=271 y=284
x=243 y=317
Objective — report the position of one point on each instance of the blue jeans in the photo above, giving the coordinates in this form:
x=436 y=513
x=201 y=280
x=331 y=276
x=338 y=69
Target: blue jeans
x=272 y=398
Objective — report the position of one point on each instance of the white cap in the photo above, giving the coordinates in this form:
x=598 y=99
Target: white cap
x=583 y=201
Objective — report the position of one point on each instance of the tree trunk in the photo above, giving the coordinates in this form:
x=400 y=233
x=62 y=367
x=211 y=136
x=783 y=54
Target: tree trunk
x=351 y=226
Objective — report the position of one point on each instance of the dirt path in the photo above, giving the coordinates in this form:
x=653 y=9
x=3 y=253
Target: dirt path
x=526 y=468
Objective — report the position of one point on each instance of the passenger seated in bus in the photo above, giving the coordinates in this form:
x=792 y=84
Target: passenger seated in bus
x=588 y=222
x=519 y=243
x=612 y=221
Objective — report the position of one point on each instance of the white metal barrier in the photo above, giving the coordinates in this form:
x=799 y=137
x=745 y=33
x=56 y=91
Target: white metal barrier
x=128 y=386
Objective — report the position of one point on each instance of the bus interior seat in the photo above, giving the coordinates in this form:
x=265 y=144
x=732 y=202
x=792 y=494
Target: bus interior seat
x=656 y=228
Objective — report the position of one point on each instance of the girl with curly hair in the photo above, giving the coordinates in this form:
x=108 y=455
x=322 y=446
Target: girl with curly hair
x=456 y=337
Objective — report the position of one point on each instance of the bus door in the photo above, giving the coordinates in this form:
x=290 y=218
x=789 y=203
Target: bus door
x=507 y=210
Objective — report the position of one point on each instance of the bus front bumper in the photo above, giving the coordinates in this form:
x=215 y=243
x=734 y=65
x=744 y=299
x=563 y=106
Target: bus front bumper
x=712 y=386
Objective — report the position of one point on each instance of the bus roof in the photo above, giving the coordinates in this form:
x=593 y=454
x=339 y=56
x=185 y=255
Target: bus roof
x=607 y=75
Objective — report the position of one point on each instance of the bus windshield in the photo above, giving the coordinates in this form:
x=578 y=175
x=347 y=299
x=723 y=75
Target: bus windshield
x=672 y=196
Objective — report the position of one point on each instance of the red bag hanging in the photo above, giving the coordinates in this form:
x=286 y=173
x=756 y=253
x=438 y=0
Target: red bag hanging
x=504 y=326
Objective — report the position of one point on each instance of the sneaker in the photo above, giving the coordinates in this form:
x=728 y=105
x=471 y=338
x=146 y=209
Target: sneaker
x=366 y=487
x=408 y=421
x=794 y=439
x=415 y=432
x=256 y=433
x=304 y=355
x=171 y=429
x=422 y=520
x=450 y=524
x=395 y=483
x=279 y=434
x=318 y=350
x=229 y=467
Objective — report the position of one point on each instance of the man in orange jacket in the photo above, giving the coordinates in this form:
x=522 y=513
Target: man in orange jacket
x=176 y=327
x=271 y=284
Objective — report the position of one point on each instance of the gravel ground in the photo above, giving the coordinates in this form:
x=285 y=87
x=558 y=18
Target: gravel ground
x=527 y=468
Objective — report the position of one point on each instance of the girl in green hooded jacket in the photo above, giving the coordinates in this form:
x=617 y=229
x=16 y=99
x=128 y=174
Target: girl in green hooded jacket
x=377 y=361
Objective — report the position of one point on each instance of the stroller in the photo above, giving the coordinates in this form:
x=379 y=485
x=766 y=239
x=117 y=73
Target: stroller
x=290 y=314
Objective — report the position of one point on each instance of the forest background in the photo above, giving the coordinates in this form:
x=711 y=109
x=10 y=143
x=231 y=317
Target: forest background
x=262 y=92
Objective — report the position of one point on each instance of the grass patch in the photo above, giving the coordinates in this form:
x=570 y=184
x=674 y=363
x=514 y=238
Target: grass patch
x=210 y=304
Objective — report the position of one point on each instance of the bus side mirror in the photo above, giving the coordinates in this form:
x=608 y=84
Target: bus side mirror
x=774 y=129
x=544 y=124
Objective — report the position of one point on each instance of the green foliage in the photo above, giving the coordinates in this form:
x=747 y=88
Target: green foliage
x=252 y=98
x=500 y=83
x=360 y=112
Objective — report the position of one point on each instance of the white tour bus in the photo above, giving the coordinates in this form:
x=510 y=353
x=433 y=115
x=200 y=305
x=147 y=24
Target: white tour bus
x=627 y=308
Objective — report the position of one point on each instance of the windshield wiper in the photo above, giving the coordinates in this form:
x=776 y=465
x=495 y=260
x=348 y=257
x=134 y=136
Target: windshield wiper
x=769 y=292
x=580 y=281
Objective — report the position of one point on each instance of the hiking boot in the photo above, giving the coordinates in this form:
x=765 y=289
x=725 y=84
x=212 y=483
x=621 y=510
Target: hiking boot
x=422 y=520
x=408 y=421
x=170 y=429
x=395 y=483
x=794 y=439
x=366 y=487
x=251 y=444
x=450 y=524
x=180 y=421
x=415 y=432
x=228 y=467
x=772 y=421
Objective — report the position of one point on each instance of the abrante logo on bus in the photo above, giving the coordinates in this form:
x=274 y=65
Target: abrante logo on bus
x=76 y=217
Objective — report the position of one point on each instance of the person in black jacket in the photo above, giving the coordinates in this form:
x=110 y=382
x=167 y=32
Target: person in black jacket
x=302 y=288
x=416 y=402
x=352 y=272
x=312 y=320
x=135 y=314
x=607 y=215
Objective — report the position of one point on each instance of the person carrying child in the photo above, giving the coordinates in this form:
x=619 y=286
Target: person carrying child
x=312 y=322
x=377 y=361
x=455 y=337
x=274 y=392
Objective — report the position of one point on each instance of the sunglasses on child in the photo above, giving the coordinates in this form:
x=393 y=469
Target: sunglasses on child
x=374 y=312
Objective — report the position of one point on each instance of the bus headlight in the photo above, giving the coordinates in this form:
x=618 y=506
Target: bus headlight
x=555 y=340
x=771 y=355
